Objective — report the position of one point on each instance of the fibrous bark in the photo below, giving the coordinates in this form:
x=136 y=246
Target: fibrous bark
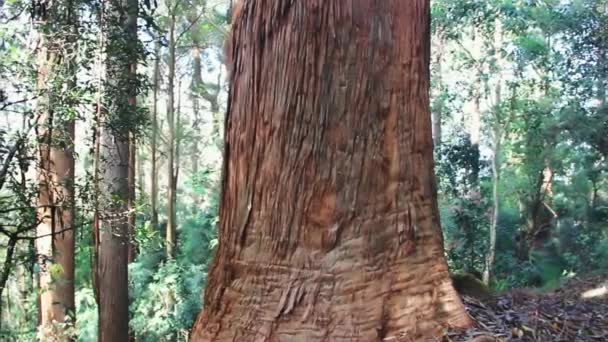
x=329 y=226
x=55 y=245
x=120 y=28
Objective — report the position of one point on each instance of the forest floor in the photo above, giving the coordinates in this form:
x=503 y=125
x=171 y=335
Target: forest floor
x=577 y=311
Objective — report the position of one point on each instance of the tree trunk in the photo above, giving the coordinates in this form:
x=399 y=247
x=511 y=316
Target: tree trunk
x=154 y=142
x=119 y=107
x=475 y=119
x=55 y=247
x=141 y=179
x=114 y=240
x=490 y=258
x=498 y=132
x=6 y=271
x=131 y=203
x=197 y=83
x=170 y=238
x=437 y=113
x=475 y=123
x=328 y=179
x=196 y=88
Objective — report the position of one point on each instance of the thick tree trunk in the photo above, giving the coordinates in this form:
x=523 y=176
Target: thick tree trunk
x=170 y=238
x=55 y=247
x=114 y=240
x=114 y=232
x=329 y=226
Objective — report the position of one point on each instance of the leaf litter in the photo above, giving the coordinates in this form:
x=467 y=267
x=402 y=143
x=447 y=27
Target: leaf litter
x=577 y=311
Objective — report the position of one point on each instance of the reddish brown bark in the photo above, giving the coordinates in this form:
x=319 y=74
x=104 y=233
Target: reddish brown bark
x=121 y=56
x=329 y=222
x=55 y=247
x=55 y=231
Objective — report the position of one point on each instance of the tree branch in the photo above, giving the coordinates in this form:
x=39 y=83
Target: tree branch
x=11 y=154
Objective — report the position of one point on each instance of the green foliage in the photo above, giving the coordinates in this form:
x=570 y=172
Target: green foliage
x=169 y=304
x=86 y=312
x=166 y=294
x=464 y=212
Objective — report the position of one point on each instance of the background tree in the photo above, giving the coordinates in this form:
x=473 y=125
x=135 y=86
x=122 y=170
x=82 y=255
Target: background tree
x=120 y=119
x=55 y=110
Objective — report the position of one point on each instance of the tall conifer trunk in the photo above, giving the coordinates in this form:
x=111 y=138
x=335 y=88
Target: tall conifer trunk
x=171 y=186
x=119 y=106
x=329 y=226
x=55 y=245
x=154 y=138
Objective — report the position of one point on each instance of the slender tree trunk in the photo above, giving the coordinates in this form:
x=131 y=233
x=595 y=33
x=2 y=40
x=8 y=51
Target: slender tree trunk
x=170 y=238
x=131 y=203
x=498 y=131
x=197 y=83
x=55 y=247
x=154 y=142
x=475 y=123
x=120 y=90
x=141 y=179
x=601 y=64
x=97 y=162
x=197 y=88
x=490 y=258
x=178 y=142
x=437 y=113
x=6 y=271
x=328 y=179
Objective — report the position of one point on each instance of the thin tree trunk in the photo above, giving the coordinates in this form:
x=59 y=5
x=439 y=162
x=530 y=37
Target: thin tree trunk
x=170 y=238
x=498 y=131
x=437 y=113
x=178 y=141
x=601 y=64
x=6 y=271
x=131 y=202
x=154 y=142
x=475 y=123
x=141 y=179
x=122 y=42
x=328 y=179
x=197 y=84
x=97 y=163
x=55 y=247
x=197 y=87
x=487 y=275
